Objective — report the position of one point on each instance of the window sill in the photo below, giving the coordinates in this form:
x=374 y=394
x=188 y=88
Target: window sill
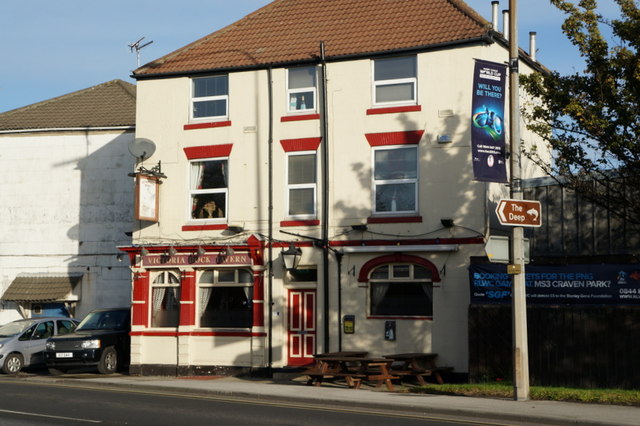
x=207 y=125
x=395 y=219
x=203 y=227
x=314 y=222
x=392 y=110
x=300 y=117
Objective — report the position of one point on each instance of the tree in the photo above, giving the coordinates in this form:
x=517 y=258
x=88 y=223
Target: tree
x=591 y=119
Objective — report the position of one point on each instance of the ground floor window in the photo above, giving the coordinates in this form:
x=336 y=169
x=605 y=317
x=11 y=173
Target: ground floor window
x=401 y=290
x=165 y=299
x=225 y=298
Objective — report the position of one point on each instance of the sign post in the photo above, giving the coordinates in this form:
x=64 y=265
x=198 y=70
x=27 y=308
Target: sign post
x=519 y=302
x=519 y=212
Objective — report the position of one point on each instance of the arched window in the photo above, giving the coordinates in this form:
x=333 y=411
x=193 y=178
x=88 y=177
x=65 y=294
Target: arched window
x=401 y=289
x=225 y=298
x=165 y=299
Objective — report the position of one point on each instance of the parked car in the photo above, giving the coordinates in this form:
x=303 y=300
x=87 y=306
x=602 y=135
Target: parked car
x=101 y=340
x=22 y=342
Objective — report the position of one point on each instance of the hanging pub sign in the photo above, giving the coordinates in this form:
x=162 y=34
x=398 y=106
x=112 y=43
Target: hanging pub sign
x=487 y=122
x=578 y=284
x=146 y=206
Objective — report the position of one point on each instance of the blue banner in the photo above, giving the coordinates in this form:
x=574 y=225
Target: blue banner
x=559 y=285
x=487 y=122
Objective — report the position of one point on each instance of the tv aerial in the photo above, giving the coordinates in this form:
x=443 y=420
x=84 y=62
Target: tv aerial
x=138 y=47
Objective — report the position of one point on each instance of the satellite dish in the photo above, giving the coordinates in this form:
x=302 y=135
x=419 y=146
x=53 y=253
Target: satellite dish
x=142 y=148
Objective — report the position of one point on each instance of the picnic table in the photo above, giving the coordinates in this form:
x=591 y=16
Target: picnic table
x=353 y=368
x=418 y=365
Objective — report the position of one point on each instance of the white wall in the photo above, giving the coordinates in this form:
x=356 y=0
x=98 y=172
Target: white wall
x=67 y=201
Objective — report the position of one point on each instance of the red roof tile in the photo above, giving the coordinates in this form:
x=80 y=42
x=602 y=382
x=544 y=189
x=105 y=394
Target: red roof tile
x=287 y=31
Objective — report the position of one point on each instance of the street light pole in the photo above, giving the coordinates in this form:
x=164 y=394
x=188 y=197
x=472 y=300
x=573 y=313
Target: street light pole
x=519 y=301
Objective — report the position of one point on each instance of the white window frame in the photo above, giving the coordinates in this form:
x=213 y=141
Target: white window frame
x=194 y=99
x=219 y=284
x=375 y=183
x=291 y=187
x=400 y=281
x=165 y=284
x=379 y=83
x=193 y=192
x=313 y=89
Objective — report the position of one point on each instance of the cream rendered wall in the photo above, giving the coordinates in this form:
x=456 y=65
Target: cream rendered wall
x=447 y=188
x=67 y=201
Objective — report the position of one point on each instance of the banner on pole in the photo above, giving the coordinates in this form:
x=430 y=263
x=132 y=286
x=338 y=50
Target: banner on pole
x=487 y=122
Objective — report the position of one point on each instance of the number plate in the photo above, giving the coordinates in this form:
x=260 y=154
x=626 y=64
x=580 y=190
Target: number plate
x=64 y=355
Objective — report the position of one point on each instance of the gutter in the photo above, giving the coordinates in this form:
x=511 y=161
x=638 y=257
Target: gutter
x=67 y=129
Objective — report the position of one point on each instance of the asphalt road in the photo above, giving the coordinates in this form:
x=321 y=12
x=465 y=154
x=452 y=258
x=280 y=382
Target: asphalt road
x=43 y=403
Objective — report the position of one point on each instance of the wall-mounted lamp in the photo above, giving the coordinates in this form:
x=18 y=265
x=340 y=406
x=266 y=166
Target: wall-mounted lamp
x=359 y=227
x=119 y=257
x=447 y=222
x=229 y=251
x=291 y=257
x=200 y=251
x=172 y=251
x=144 y=251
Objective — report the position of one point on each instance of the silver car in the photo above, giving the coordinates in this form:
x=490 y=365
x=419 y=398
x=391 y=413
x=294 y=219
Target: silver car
x=22 y=342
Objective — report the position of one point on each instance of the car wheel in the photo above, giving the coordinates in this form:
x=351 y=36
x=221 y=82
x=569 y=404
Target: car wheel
x=108 y=361
x=13 y=364
x=57 y=371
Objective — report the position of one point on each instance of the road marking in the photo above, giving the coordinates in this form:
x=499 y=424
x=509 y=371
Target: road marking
x=22 y=413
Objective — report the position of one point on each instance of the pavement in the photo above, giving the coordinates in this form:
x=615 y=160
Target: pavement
x=292 y=391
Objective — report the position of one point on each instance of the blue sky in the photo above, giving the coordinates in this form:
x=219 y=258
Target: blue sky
x=51 y=48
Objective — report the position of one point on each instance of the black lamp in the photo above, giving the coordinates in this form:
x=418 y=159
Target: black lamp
x=291 y=257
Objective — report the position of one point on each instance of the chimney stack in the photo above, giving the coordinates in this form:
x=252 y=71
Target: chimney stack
x=532 y=45
x=505 y=23
x=494 y=14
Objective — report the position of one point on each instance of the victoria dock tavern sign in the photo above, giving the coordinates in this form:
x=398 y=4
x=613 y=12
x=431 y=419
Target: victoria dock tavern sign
x=195 y=260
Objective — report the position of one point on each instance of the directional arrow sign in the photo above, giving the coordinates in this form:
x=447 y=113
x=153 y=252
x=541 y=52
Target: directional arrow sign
x=519 y=212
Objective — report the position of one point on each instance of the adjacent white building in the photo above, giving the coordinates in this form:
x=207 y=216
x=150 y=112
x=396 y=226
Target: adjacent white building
x=67 y=203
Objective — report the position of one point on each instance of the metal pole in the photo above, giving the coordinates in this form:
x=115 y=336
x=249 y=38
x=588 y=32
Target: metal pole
x=519 y=302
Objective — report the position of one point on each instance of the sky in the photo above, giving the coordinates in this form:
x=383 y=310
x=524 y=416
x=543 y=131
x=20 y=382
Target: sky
x=51 y=48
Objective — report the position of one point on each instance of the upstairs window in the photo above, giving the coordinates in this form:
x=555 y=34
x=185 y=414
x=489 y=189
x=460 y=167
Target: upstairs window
x=301 y=89
x=401 y=290
x=210 y=97
x=301 y=185
x=209 y=189
x=394 y=80
x=395 y=180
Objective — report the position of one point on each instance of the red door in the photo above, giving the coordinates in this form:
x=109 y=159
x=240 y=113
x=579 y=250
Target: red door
x=302 y=326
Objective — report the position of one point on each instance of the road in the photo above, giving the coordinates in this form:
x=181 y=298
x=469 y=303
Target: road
x=50 y=403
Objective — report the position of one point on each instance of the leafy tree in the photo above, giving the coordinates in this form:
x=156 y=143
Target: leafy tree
x=591 y=119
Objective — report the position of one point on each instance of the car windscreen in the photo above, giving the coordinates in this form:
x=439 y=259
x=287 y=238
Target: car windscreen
x=104 y=320
x=15 y=327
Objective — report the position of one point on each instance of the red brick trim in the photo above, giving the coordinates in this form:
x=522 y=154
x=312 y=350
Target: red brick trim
x=390 y=110
x=219 y=227
x=208 y=151
x=411 y=137
x=199 y=333
x=395 y=219
x=207 y=125
x=300 y=117
x=363 y=276
x=300 y=223
x=300 y=144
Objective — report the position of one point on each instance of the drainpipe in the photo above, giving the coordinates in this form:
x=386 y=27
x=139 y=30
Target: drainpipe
x=270 y=229
x=325 y=199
